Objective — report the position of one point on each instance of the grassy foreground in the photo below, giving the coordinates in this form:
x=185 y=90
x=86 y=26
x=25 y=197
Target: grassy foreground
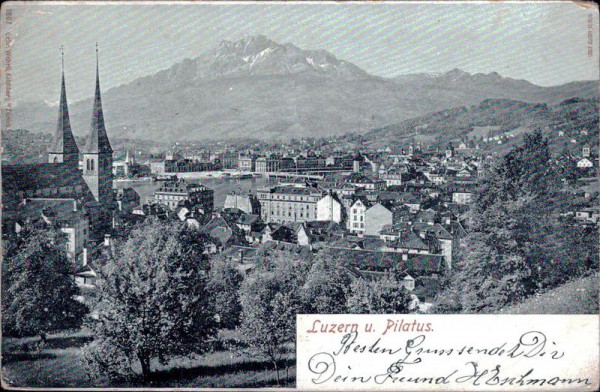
x=58 y=364
x=579 y=296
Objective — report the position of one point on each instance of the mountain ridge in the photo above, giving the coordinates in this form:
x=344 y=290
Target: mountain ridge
x=257 y=87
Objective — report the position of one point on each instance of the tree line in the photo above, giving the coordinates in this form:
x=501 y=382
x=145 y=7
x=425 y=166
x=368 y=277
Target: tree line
x=159 y=296
x=523 y=238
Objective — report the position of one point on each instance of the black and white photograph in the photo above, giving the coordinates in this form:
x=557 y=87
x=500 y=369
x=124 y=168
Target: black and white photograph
x=182 y=180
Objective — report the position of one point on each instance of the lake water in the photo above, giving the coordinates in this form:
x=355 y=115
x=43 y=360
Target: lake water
x=220 y=186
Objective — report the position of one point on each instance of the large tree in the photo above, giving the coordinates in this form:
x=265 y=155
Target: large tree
x=522 y=240
x=385 y=295
x=224 y=284
x=327 y=286
x=271 y=298
x=38 y=290
x=153 y=302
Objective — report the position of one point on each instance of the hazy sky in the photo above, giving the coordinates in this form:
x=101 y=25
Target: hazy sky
x=545 y=43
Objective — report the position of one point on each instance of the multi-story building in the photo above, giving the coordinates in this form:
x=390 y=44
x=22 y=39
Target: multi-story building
x=356 y=216
x=282 y=204
x=247 y=163
x=376 y=217
x=229 y=160
x=393 y=177
x=329 y=208
x=310 y=162
x=359 y=180
x=273 y=164
x=157 y=167
x=247 y=203
x=68 y=215
x=346 y=162
x=127 y=199
x=462 y=197
x=189 y=165
x=170 y=194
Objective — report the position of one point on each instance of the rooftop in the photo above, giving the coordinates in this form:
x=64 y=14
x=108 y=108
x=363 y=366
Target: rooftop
x=292 y=190
x=38 y=176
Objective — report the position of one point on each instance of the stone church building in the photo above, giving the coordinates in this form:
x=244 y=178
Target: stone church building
x=78 y=201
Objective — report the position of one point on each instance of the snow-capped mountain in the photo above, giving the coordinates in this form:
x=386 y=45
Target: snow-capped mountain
x=255 y=87
x=259 y=56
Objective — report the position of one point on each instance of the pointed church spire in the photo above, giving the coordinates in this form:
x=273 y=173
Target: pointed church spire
x=97 y=139
x=63 y=148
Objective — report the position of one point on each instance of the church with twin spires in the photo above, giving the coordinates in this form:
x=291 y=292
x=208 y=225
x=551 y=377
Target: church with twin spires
x=80 y=201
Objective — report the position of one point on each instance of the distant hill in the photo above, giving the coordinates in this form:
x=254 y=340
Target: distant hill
x=574 y=119
x=462 y=84
x=260 y=88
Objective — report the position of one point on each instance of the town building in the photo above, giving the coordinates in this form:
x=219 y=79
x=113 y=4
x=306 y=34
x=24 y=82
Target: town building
x=586 y=151
x=187 y=165
x=244 y=202
x=229 y=160
x=67 y=215
x=247 y=163
x=297 y=204
x=273 y=164
x=584 y=163
x=172 y=193
x=356 y=215
x=360 y=180
x=329 y=209
x=394 y=177
x=376 y=217
x=462 y=197
x=127 y=199
x=157 y=167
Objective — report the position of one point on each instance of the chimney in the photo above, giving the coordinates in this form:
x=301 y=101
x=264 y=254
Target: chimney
x=107 y=241
x=84 y=257
x=241 y=255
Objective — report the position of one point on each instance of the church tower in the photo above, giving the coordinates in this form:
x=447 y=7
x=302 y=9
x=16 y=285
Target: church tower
x=97 y=153
x=63 y=148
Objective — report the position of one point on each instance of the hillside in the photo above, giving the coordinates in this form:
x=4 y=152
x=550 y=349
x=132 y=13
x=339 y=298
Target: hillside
x=579 y=296
x=571 y=119
x=260 y=88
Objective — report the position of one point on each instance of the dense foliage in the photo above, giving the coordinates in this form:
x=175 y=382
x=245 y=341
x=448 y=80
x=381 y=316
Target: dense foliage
x=38 y=289
x=327 y=287
x=386 y=295
x=283 y=286
x=271 y=298
x=224 y=284
x=523 y=239
x=153 y=302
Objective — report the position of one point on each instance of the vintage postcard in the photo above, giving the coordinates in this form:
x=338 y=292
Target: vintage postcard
x=300 y=195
